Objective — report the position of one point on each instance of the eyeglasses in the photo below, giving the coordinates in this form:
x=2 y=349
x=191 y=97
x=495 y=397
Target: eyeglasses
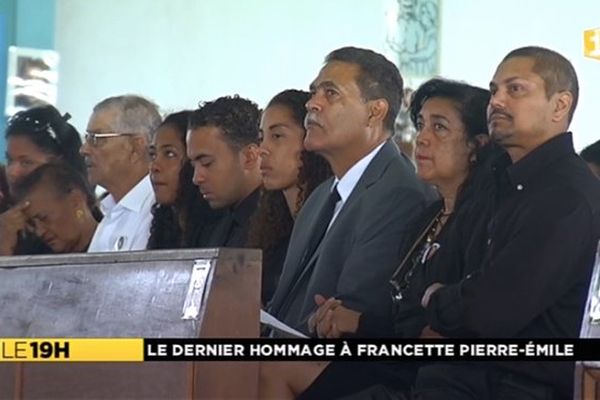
x=93 y=138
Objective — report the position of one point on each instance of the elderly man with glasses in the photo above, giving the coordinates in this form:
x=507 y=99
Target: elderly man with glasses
x=115 y=151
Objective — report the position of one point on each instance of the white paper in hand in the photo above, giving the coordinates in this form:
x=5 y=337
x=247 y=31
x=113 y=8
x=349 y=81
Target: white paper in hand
x=268 y=319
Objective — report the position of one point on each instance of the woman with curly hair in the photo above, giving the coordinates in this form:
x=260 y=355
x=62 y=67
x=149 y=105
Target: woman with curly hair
x=180 y=212
x=289 y=174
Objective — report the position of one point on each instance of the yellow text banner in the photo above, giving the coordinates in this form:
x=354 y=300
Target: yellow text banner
x=64 y=349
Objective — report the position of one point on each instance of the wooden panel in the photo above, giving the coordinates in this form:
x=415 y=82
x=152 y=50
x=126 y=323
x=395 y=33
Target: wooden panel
x=107 y=296
x=136 y=294
x=587 y=373
x=153 y=380
x=233 y=294
x=9 y=384
x=591 y=384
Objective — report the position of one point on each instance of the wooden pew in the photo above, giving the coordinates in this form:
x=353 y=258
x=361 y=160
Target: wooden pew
x=130 y=294
x=587 y=373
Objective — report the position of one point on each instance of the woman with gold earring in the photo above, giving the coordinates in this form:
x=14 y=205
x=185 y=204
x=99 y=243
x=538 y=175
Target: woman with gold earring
x=57 y=205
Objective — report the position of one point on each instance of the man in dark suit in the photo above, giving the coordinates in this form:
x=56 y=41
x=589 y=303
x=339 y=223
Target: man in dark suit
x=222 y=145
x=350 y=252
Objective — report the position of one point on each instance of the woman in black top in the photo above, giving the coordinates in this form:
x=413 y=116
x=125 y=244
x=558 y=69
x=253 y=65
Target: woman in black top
x=451 y=153
x=180 y=214
x=289 y=175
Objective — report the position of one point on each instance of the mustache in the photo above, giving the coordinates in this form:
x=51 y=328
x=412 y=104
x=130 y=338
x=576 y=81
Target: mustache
x=499 y=112
x=311 y=120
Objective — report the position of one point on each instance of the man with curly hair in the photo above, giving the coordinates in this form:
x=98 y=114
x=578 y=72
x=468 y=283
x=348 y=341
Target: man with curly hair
x=222 y=145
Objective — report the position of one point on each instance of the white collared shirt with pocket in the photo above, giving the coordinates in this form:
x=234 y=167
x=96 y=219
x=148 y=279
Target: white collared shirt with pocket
x=126 y=224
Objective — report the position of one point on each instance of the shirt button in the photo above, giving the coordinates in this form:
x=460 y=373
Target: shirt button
x=519 y=187
x=489 y=241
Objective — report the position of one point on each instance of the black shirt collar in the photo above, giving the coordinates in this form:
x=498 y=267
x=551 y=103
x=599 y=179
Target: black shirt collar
x=242 y=211
x=534 y=163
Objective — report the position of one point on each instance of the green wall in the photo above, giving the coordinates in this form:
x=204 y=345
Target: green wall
x=24 y=23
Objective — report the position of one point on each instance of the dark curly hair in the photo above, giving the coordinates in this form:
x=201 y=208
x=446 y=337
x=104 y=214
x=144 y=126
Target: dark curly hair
x=177 y=225
x=237 y=117
x=273 y=220
x=51 y=133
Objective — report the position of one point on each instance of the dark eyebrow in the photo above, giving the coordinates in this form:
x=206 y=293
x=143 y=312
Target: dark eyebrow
x=201 y=156
x=278 y=125
x=507 y=80
x=439 y=116
x=323 y=84
x=328 y=84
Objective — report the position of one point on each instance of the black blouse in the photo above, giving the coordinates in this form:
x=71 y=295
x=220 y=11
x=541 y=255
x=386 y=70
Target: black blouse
x=461 y=245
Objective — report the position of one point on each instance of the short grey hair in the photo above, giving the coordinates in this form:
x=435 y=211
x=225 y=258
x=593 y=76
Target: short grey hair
x=134 y=114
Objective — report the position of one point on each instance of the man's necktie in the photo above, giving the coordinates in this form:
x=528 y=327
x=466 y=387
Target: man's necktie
x=322 y=224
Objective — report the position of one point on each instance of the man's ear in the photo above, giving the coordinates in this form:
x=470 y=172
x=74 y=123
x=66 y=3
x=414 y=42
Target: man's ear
x=139 y=146
x=249 y=156
x=562 y=105
x=378 y=110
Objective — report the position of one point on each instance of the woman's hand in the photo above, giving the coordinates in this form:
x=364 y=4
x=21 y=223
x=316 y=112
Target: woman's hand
x=12 y=222
x=429 y=292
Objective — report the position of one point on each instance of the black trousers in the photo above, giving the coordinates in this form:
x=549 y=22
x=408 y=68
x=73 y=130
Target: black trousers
x=455 y=381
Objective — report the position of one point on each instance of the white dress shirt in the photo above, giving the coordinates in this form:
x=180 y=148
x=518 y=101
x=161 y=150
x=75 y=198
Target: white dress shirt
x=348 y=182
x=126 y=224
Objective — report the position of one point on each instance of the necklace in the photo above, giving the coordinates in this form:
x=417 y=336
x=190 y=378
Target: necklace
x=421 y=251
x=430 y=246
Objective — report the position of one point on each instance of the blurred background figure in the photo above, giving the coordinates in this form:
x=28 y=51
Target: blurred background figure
x=591 y=155
x=4 y=197
x=180 y=213
x=289 y=175
x=34 y=137
x=58 y=204
x=404 y=131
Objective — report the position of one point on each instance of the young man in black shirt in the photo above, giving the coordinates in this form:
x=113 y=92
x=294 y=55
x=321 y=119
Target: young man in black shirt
x=222 y=145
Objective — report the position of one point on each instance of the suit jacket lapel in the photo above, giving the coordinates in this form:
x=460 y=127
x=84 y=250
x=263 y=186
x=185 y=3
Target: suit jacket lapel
x=372 y=174
x=295 y=259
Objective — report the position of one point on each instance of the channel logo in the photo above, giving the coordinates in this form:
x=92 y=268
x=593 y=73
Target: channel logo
x=591 y=43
